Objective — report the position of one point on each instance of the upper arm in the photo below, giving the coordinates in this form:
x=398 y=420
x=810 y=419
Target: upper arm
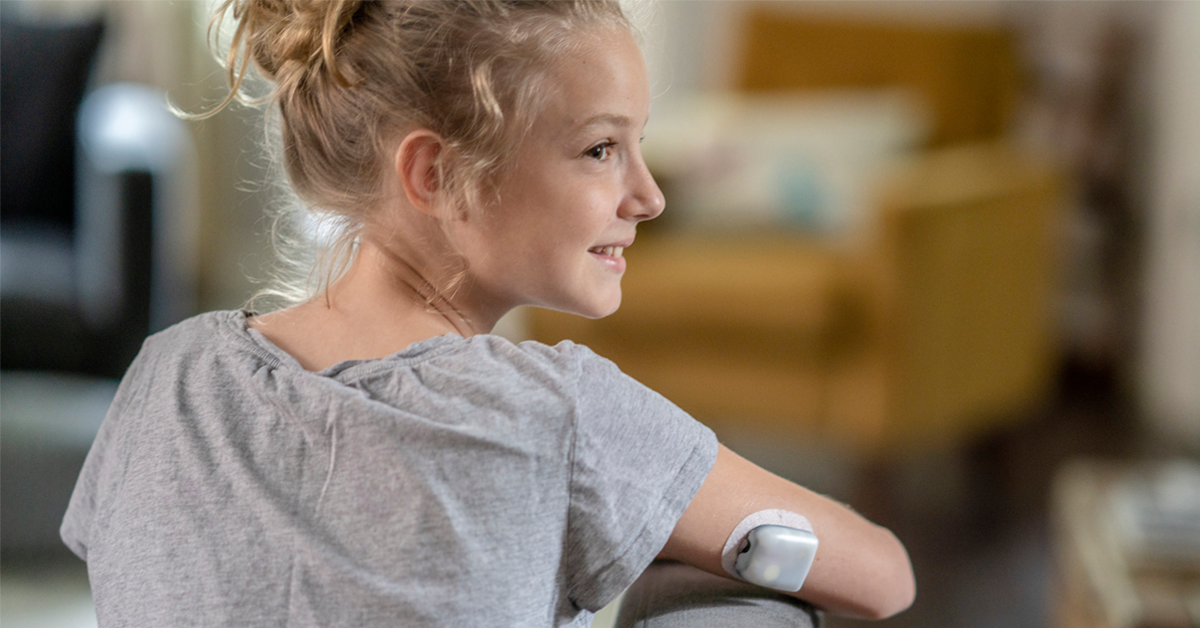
x=860 y=569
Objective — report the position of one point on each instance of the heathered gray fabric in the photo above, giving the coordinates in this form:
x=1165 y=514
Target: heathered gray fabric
x=460 y=482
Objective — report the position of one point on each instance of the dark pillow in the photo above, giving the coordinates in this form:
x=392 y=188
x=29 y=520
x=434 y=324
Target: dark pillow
x=43 y=72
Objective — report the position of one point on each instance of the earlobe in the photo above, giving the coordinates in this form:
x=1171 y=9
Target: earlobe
x=418 y=167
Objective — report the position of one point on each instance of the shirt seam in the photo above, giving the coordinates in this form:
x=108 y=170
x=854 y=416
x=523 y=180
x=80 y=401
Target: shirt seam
x=670 y=490
x=241 y=337
x=574 y=433
x=100 y=517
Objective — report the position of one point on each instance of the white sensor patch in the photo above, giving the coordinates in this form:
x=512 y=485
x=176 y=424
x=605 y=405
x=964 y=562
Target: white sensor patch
x=737 y=538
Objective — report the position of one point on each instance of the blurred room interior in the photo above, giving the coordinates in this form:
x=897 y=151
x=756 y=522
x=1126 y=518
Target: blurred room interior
x=940 y=260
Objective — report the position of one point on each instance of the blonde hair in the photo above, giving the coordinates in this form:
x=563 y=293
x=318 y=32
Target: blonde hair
x=349 y=76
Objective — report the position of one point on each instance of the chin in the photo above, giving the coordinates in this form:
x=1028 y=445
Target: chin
x=598 y=309
x=610 y=311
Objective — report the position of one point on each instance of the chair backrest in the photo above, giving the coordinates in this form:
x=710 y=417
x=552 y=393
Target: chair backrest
x=968 y=77
x=966 y=248
x=44 y=70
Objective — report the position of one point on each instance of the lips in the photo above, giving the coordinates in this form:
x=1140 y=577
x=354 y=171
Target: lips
x=612 y=249
x=612 y=256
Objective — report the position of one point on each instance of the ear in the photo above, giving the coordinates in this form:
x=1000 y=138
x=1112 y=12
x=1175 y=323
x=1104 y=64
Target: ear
x=418 y=169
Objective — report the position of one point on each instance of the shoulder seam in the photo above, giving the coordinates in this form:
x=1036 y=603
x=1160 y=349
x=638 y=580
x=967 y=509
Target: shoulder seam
x=574 y=436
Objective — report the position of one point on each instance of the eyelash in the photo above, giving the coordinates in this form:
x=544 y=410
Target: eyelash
x=603 y=147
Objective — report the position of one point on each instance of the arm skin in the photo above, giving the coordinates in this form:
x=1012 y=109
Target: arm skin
x=860 y=570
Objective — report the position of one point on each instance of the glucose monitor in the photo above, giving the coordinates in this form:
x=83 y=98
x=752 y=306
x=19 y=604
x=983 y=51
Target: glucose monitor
x=777 y=557
x=771 y=548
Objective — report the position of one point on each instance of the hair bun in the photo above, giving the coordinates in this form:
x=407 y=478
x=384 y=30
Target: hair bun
x=289 y=35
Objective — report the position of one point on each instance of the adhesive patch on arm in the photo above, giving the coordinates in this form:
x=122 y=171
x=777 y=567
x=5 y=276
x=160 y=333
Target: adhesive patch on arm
x=771 y=548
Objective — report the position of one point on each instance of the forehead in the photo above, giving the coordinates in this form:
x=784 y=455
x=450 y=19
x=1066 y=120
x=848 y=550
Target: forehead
x=602 y=83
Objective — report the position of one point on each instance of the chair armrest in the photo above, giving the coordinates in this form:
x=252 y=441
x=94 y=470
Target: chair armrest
x=674 y=595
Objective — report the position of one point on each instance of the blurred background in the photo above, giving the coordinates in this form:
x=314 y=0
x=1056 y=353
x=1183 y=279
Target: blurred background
x=940 y=260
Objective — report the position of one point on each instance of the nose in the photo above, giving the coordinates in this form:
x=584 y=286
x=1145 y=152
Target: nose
x=645 y=200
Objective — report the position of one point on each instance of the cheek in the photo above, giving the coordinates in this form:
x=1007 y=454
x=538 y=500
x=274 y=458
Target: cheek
x=564 y=222
x=555 y=216
x=593 y=208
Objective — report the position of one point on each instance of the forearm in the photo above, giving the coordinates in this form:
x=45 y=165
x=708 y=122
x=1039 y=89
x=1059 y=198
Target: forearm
x=861 y=569
x=867 y=575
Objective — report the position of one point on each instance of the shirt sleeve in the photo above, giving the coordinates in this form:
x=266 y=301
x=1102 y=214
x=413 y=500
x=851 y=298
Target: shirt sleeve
x=103 y=468
x=636 y=462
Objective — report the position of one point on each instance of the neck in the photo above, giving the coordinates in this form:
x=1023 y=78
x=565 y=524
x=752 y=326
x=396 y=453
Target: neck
x=384 y=303
x=390 y=283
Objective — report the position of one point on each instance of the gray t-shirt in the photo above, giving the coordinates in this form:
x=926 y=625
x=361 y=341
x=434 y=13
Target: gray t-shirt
x=460 y=482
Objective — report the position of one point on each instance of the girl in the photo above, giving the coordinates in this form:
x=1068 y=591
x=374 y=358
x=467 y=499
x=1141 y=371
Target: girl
x=372 y=455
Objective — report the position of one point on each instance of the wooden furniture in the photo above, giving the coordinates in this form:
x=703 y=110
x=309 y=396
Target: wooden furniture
x=1098 y=582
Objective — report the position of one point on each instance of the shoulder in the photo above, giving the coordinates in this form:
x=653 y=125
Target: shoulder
x=200 y=330
x=201 y=350
x=487 y=371
x=529 y=359
x=563 y=352
x=222 y=332
x=606 y=402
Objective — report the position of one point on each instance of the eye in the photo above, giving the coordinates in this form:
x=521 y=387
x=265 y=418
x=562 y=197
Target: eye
x=599 y=152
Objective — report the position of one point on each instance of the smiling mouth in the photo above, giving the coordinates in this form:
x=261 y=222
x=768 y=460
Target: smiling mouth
x=611 y=251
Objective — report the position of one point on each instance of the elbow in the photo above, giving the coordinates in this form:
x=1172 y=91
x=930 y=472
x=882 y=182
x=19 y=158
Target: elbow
x=899 y=586
x=897 y=601
x=907 y=596
x=884 y=586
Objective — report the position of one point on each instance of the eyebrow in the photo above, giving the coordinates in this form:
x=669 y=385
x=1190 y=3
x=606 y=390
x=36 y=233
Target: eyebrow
x=607 y=118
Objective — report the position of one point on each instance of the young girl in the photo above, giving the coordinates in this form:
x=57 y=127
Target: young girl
x=372 y=455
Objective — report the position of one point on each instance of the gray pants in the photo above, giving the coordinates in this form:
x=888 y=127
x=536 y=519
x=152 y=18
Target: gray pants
x=674 y=595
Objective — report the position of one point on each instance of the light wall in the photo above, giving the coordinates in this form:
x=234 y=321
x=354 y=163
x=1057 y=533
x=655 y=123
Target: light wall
x=1171 y=331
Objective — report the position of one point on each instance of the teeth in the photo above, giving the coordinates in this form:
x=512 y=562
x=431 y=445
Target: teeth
x=611 y=251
